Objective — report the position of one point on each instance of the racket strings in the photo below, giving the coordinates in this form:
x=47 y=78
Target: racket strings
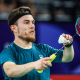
x=77 y=26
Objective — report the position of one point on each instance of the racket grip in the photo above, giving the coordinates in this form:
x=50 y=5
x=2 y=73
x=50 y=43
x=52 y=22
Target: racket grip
x=53 y=56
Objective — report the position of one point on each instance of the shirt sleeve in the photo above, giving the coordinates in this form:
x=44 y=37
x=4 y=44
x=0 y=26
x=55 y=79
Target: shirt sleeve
x=7 y=55
x=49 y=51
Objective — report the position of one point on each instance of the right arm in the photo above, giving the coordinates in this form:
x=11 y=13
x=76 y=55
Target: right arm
x=13 y=70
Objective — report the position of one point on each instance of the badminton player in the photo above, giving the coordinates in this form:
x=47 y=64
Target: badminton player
x=22 y=58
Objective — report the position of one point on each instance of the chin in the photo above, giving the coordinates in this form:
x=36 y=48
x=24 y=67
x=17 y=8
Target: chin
x=28 y=38
x=31 y=39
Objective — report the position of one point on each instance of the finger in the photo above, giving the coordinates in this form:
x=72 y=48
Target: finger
x=64 y=35
x=47 y=63
x=47 y=58
x=70 y=37
x=64 y=43
x=67 y=37
x=45 y=66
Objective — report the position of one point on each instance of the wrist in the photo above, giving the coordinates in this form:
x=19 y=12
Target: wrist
x=69 y=45
x=34 y=63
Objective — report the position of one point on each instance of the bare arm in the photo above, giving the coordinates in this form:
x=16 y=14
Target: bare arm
x=68 y=54
x=13 y=70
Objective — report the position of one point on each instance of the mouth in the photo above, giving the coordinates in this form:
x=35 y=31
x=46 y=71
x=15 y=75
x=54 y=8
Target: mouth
x=32 y=32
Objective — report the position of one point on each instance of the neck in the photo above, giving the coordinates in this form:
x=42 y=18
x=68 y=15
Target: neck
x=23 y=44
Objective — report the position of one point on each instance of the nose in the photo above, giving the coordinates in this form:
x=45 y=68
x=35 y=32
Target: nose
x=32 y=26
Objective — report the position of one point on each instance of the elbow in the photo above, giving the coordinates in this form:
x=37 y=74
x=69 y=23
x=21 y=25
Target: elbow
x=10 y=74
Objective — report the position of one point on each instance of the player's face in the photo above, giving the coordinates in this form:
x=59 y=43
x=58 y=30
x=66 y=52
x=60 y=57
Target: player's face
x=26 y=28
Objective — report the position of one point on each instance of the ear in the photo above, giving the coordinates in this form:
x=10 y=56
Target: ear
x=13 y=28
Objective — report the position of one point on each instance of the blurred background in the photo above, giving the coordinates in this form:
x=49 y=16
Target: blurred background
x=53 y=17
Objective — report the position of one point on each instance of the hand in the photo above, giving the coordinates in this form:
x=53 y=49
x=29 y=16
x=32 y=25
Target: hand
x=42 y=63
x=68 y=37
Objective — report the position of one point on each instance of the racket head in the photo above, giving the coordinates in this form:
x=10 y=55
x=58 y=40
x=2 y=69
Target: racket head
x=77 y=26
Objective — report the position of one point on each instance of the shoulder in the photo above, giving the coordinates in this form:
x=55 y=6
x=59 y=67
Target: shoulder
x=8 y=49
x=43 y=46
x=7 y=54
x=40 y=45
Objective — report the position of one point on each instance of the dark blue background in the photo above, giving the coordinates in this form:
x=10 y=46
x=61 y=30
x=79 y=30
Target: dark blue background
x=48 y=33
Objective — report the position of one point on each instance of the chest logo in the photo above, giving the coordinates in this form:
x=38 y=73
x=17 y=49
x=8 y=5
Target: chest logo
x=41 y=56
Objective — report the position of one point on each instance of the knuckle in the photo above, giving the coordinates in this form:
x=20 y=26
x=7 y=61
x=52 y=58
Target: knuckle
x=50 y=64
x=43 y=68
x=45 y=62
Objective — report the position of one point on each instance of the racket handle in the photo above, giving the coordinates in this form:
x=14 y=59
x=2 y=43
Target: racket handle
x=53 y=56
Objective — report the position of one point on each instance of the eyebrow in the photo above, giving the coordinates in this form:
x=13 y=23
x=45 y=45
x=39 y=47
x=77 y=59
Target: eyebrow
x=29 y=20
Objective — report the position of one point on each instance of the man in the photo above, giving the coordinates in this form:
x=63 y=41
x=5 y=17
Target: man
x=21 y=59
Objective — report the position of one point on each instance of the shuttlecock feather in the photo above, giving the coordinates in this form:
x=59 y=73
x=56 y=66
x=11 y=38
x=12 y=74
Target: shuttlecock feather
x=62 y=39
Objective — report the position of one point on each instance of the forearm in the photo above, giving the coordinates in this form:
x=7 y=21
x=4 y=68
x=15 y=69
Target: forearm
x=13 y=70
x=68 y=54
x=21 y=70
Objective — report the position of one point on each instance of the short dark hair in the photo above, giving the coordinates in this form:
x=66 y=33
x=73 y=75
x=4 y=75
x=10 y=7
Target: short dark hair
x=17 y=13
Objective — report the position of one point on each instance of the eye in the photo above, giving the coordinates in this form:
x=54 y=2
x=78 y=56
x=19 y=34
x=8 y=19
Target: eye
x=33 y=22
x=26 y=22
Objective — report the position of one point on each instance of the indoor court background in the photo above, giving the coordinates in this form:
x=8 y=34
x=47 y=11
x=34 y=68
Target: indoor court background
x=53 y=17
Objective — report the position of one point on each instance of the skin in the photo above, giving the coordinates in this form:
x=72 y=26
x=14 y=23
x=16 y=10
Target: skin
x=24 y=38
x=23 y=32
x=68 y=53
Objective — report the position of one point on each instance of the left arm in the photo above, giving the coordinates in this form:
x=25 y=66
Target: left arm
x=68 y=53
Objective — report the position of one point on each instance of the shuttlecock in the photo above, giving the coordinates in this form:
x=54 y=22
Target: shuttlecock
x=63 y=40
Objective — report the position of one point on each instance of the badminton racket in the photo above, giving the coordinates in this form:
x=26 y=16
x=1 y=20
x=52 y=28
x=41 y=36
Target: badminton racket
x=53 y=56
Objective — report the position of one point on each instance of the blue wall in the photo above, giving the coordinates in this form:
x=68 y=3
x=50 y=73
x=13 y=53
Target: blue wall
x=48 y=33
